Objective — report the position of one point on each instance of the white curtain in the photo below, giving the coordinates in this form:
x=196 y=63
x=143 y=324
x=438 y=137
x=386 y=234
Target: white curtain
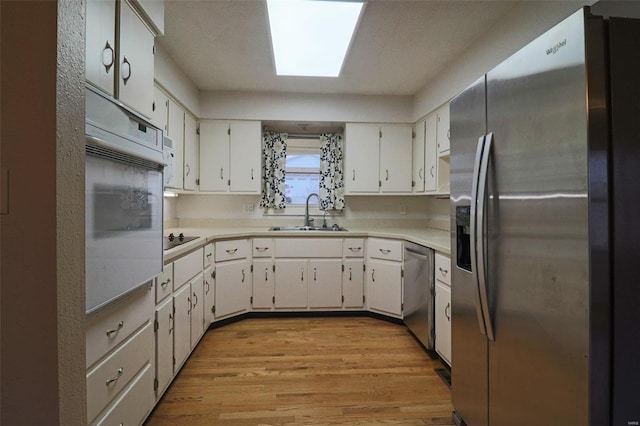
x=331 y=172
x=274 y=152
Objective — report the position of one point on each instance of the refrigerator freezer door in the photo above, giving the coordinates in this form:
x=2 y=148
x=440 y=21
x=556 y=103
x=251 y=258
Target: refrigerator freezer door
x=469 y=381
x=537 y=232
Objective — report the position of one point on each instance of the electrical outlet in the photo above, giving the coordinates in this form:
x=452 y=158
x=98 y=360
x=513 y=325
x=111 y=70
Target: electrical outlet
x=247 y=208
x=403 y=209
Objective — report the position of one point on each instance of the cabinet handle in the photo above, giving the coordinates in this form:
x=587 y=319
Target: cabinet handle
x=314 y=274
x=243 y=275
x=195 y=304
x=385 y=251
x=251 y=174
x=118 y=375
x=387 y=178
x=431 y=171
x=221 y=173
x=354 y=249
x=354 y=174
x=443 y=271
x=262 y=248
x=190 y=305
x=108 y=58
x=373 y=275
x=209 y=255
x=446 y=312
x=115 y=330
x=449 y=134
x=266 y=274
x=231 y=251
x=208 y=287
x=171 y=327
x=125 y=61
x=188 y=169
x=164 y=284
x=349 y=274
x=301 y=274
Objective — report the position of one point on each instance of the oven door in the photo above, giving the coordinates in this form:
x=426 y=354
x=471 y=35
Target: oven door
x=123 y=224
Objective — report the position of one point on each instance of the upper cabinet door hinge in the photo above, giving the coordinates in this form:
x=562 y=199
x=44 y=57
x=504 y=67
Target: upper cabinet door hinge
x=229 y=182
x=379 y=184
x=213 y=274
x=343 y=299
x=156 y=325
x=402 y=307
x=413 y=183
x=197 y=130
x=154 y=49
x=213 y=309
x=402 y=273
x=273 y=299
x=155 y=384
x=342 y=268
x=274 y=268
x=153 y=106
x=252 y=267
x=364 y=267
x=197 y=181
x=380 y=134
x=229 y=131
x=251 y=300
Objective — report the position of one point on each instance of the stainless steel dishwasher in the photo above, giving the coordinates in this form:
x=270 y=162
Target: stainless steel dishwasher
x=419 y=291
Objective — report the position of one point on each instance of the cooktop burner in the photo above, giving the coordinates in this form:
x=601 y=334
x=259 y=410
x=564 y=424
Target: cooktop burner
x=172 y=241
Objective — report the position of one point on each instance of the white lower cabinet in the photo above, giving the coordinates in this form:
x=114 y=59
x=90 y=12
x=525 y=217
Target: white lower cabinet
x=164 y=346
x=443 y=321
x=325 y=283
x=209 y=297
x=353 y=283
x=233 y=287
x=263 y=284
x=197 y=309
x=384 y=287
x=291 y=283
x=181 y=326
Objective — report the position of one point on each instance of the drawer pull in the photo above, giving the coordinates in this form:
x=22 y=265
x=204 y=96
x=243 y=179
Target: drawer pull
x=208 y=287
x=115 y=379
x=385 y=251
x=231 y=251
x=353 y=249
x=266 y=274
x=314 y=274
x=164 y=283
x=209 y=255
x=262 y=248
x=243 y=275
x=120 y=325
x=301 y=274
x=446 y=312
x=443 y=271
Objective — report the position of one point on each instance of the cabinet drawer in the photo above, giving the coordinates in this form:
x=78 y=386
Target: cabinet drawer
x=109 y=377
x=443 y=269
x=110 y=328
x=308 y=247
x=164 y=283
x=353 y=247
x=230 y=250
x=134 y=403
x=262 y=247
x=208 y=258
x=186 y=268
x=385 y=249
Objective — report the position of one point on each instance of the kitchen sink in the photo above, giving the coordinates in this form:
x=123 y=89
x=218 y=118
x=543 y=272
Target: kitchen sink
x=334 y=228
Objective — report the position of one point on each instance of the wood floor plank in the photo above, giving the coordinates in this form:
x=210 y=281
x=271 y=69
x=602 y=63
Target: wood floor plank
x=312 y=371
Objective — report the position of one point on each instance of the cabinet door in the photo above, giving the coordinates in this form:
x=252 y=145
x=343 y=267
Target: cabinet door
x=443 y=321
x=190 y=153
x=362 y=158
x=197 y=309
x=353 y=283
x=325 y=283
x=164 y=345
x=418 y=158
x=100 y=61
x=443 y=134
x=291 y=283
x=181 y=326
x=214 y=156
x=263 y=283
x=430 y=154
x=384 y=287
x=233 y=284
x=160 y=109
x=245 y=153
x=209 y=297
x=175 y=130
x=395 y=157
x=135 y=86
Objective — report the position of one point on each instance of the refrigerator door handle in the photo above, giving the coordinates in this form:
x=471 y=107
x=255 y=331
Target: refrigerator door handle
x=480 y=244
x=473 y=231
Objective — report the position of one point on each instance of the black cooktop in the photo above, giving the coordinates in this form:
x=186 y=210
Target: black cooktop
x=172 y=241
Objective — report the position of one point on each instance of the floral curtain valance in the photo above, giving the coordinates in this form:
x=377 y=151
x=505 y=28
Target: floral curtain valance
x=331 y=172
x=274 y=152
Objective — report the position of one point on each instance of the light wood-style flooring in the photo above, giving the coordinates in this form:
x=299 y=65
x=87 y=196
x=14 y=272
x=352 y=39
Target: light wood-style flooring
x=314 y=371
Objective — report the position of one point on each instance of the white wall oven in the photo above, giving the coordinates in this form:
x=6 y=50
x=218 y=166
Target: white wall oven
x=123 y=204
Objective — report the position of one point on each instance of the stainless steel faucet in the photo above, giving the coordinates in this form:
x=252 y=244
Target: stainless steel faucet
x=307 y=220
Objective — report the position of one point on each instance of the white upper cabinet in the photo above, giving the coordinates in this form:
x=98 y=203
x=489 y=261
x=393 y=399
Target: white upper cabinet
x=160 y=109
x=230 y=156
x=362 y=158
x=378 y=158
x=443 y=129
x=175 y=130
x=101 y=44
x=430 y=154
x=135 y=61
x=395 y=159
x=190 y=153
x=418 y=158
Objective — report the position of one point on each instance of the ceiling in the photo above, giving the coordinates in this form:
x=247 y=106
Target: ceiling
x=398 y=48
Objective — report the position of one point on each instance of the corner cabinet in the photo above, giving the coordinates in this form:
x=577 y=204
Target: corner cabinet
x=431 y=154
x=230 y=156
x=376 y=158
x=120 y=64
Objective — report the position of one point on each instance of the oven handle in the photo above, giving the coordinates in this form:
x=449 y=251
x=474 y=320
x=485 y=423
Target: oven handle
x=111 y=151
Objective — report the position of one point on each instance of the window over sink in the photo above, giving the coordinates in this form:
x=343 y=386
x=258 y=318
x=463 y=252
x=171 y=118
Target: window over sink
x=302 y=172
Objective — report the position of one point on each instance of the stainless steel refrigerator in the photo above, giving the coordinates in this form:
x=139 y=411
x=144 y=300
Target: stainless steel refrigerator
x=542 y=328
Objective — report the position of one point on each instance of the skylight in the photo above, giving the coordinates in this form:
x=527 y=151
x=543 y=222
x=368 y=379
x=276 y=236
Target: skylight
x=310 y=37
